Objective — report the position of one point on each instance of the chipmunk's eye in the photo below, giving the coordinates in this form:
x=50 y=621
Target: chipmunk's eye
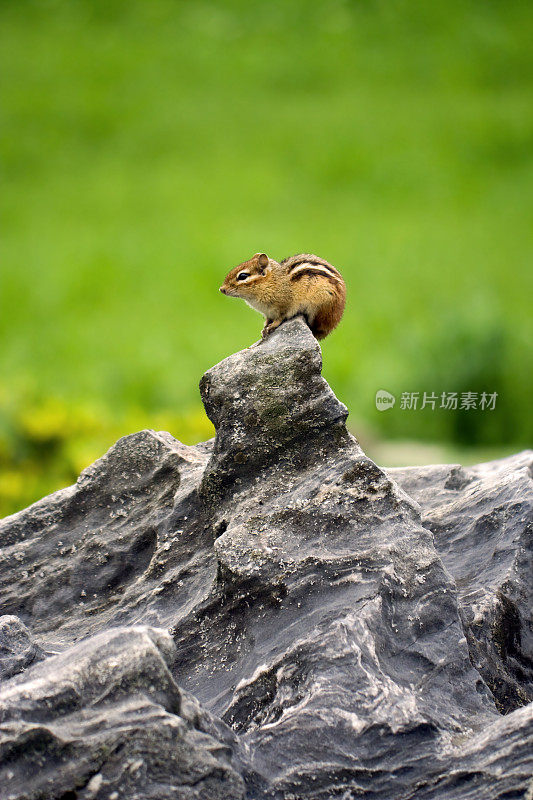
x=242 y=276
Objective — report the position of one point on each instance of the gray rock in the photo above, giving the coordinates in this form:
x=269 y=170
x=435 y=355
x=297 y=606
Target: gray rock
x=106 y=720
x=263 y=418
x=17 y=648
x=113 y=548
x=482 y=520
x=310 y=607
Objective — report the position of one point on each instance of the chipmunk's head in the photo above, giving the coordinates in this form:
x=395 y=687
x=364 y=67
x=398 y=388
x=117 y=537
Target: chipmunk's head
x=244 y=280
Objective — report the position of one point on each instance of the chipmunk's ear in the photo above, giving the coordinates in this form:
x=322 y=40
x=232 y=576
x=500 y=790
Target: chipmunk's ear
x=262 y=260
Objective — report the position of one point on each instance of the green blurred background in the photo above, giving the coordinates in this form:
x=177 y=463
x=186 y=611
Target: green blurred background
x=148 y=147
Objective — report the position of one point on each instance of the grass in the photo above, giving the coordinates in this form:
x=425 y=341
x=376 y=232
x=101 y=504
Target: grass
x=149 y=147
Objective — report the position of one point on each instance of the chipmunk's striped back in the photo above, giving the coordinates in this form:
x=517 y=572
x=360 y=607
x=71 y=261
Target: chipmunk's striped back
x=325 y=305
x=307 y=264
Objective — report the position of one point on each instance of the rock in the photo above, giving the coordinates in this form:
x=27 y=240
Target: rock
x=263 y=418
x=106 y=719
x=17 y=648
x=312 y=608
x=494 y=762
x=111 y=548
x=482 y=520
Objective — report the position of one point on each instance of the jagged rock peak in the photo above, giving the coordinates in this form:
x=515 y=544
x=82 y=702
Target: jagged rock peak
x=269 y=403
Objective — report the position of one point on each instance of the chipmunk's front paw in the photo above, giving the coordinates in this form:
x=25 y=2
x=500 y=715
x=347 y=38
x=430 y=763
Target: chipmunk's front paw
x=270 y=327
x=264 y=332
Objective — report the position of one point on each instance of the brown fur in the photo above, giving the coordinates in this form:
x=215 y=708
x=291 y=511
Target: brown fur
x=302 y=284
x=295 y=261
x=314 y=272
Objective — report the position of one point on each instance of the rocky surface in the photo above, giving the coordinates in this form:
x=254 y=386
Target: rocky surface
x=482 y=521
x=106 y=719
x=329 y=639
x=17 y=647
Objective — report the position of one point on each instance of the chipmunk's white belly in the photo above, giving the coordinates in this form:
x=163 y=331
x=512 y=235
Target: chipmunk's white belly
x=263 y=308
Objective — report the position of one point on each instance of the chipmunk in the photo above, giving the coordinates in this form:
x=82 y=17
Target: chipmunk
x=302 y=284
